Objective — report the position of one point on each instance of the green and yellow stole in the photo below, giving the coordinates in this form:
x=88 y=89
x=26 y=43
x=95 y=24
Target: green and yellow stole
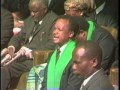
x=56 y=68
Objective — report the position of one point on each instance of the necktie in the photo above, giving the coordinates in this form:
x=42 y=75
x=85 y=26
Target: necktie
x=57 y=54
x=33 y=32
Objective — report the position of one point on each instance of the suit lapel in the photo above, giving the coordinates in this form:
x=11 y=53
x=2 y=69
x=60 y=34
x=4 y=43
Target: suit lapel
x=42 y=25
x=39 y=28
x=93 y=79
x=29 y=29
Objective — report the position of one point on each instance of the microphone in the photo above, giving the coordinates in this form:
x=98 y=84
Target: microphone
x=8 y=58
x=17 y=55
x=4 y=52
x=5 y=59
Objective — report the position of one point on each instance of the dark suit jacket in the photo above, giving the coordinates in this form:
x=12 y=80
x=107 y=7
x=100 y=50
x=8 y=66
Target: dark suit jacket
x=42 y=36
x=69 y=81
x=99 y=81
x=108 y=16
x=6 y=27
x=106 y=20
x=103 y=19
x=108 y=45
x=57 y=6
x=111 y=8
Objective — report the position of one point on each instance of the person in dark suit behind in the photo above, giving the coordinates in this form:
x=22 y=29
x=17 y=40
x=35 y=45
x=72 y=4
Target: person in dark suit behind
x=19 y=10
x=109 y=7
x=84 y=8
x=36 y=35
x=57 y=6
x=19 y=7
x=6 y=27
x=87 y=57
x=87 y=9
x=58 y=74
x=88 y=30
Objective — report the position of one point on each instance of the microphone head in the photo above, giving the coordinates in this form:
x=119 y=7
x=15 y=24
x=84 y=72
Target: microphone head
x=4 y=52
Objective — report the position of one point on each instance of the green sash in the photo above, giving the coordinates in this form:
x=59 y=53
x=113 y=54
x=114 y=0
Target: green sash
x=36 y=74
x=56 y=68
x=90 y=30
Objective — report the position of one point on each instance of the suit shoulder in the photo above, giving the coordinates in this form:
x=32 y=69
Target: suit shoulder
x=52 y=16
x=101 y=30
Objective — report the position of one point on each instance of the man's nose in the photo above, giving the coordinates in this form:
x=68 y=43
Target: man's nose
x=55 y=31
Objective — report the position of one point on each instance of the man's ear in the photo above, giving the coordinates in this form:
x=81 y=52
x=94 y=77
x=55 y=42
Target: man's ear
x=82 y=33
x=71 y=34
x=95 y=62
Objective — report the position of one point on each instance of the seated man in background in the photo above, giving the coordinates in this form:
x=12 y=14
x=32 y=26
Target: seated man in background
x=19 y=10
x=6 y=27
x=89 y=30
x=36 y=35
x=58 y=74
x=87 y=9
x=87 y=58
x=20 y=6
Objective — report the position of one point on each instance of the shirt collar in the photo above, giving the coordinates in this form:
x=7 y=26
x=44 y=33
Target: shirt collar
x=100 y=8
x=40 y=22
x=62 y=47
x=88 y=79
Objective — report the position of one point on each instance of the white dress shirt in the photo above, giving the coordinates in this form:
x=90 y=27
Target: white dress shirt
x=62 y=48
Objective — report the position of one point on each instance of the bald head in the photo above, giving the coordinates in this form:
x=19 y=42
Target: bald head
x=43 y=3
x=38 y=9
x=91 y=49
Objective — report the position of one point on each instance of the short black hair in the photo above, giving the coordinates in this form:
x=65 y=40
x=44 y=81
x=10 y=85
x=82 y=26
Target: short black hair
x=82 y=22
x=73 y=25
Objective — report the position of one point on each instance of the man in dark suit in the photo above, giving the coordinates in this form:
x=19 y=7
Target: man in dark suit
x=106 y=12
x=6 y=27
x=84 y=8
x=36 y=35
x=87 y=9
x=87 y=57
x=88 y=30
x=58 y=74
x=109 y=7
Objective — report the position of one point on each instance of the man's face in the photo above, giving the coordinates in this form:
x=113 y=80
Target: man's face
x=61 y=32
x=81 y=64
x=37 y=11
